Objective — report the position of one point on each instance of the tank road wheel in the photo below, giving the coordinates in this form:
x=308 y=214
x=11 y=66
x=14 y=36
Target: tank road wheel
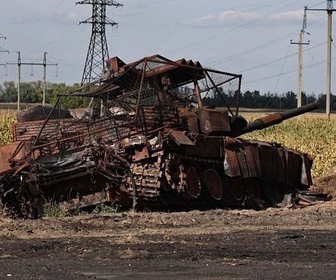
x=193 y=183
x=214 y=184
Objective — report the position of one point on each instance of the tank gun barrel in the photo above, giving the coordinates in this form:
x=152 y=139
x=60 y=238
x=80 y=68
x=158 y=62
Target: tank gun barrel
x=276 y=118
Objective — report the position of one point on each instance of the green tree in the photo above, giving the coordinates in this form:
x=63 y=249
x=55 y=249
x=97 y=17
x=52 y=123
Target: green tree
x=67 y=101
x=9 y=92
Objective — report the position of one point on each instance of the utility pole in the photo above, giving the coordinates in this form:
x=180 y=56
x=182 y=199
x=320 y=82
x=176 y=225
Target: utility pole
x=1 y=50
x=44 y=64
x=329 y=10
x=300 y=59
x=98 y=51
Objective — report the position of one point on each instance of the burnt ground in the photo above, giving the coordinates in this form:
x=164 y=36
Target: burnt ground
x=215 y=244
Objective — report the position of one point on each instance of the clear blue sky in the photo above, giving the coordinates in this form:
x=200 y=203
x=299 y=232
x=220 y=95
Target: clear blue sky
x=251 y=37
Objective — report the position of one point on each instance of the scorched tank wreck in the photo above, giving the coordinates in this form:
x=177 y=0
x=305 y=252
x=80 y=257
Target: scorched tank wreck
x=148 y=140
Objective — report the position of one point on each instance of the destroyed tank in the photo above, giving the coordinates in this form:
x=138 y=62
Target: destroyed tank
x=148 y=140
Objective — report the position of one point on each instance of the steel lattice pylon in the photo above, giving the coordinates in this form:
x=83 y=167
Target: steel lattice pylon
x=98 y=51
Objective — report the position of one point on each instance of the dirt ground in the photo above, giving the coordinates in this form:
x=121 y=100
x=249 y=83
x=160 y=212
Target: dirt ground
x=274 y=243
x=215 y=244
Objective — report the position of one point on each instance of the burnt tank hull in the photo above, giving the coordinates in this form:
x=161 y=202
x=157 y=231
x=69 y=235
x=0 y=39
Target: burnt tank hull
x=153 y=144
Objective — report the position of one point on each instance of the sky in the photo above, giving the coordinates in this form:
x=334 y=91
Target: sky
x=248 y=37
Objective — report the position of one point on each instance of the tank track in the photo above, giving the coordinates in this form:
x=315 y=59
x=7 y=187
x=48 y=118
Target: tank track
x=147 y=179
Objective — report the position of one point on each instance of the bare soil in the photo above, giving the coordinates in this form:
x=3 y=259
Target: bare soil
x=216 y=244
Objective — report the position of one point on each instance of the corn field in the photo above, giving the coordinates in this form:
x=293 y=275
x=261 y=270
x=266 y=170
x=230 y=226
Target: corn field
x=311 y=134
x=6 y=120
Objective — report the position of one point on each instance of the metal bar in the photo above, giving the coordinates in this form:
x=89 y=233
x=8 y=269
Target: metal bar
x=217 y=90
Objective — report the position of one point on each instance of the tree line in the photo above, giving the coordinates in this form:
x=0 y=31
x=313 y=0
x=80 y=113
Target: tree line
x=32 y=92
x=257 y=100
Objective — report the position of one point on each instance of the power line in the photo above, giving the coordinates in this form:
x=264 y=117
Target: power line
x=285 y=73
x=43 y=63
x=51 y=20
x=282 y=68
x=230 y=30
x=277 y=59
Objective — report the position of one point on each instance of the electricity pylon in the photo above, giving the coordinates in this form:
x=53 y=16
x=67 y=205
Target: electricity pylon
x=98 y=51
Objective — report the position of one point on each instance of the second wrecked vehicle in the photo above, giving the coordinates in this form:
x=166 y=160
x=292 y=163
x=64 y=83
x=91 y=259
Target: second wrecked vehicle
x=149 y=140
